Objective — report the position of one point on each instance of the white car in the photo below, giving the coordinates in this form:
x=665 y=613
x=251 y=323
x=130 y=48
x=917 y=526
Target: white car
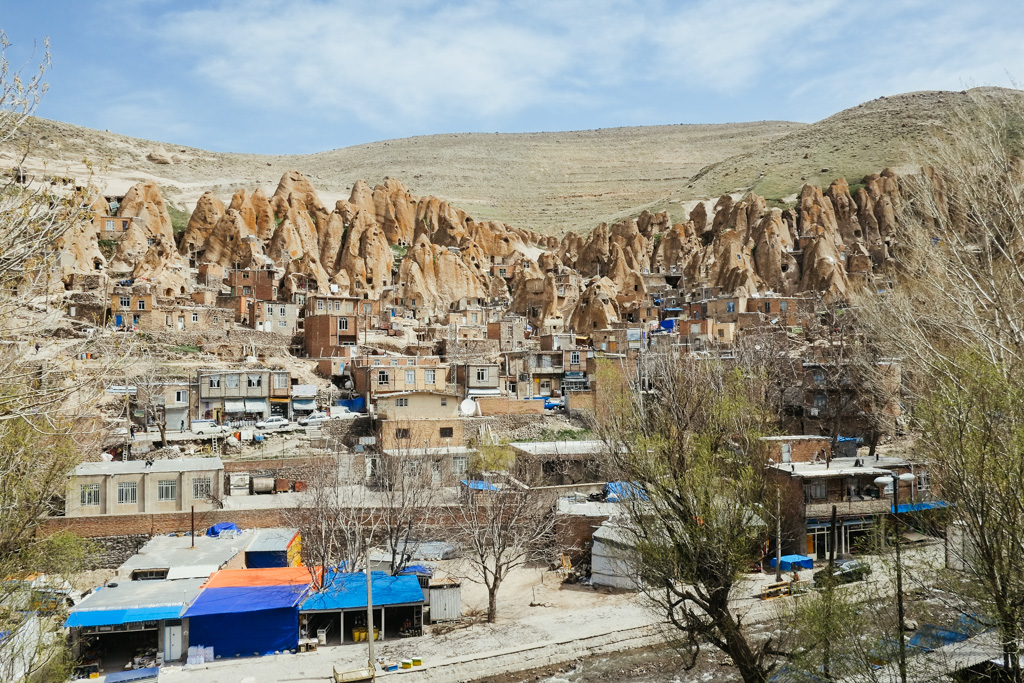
x=313 y=419
x=273 y=422
x=202 y=427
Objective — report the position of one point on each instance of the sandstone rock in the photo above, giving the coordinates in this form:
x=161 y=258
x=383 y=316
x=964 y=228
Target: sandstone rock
x=204 y=218
x=144 y=203
x=159 y=156
x=596 y=308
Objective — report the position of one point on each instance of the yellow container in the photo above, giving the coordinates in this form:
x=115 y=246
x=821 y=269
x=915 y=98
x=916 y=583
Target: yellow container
x=406 y=663
x=417 y=661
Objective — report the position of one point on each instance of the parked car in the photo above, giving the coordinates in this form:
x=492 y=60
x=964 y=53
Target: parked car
x=313 y=419
x=208 y=427
x=552 y=404
x=844 y=571
x=342 y=413
x=273 y=422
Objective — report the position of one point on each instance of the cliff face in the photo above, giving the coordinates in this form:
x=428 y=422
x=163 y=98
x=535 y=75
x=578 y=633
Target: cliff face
x=424 y=254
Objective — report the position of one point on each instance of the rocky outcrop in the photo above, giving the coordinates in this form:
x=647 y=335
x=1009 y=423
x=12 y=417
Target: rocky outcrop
x=596 y=308
x=151 y=223
x=204 y=218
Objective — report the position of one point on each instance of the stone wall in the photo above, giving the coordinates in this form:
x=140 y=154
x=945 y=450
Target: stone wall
x=112 y=551
x=500 y=405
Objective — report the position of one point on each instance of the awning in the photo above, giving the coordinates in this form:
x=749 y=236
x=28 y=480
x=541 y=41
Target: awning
x=234 y=405
x=279 y=400
x=304 y=403
x=114 y=617
x=255 y=405
x=915 y=507
x=484 y=392
x=348 y=591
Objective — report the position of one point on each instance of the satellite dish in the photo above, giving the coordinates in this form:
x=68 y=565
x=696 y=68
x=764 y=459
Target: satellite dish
x=468 y=407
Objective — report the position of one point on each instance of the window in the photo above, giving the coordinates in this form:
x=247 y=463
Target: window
x=924 y=481
x=270 y=311
x=817 y=490
x=280 y=310
x=429 y=376
x=142 y=304
x=90 y=494
x=127 y=493
x=110 y=225
x=402 y=433
x=215 y=319
x=366 y=309
x=215 y=381
x=282 y=323
x=545 y=385
x=401 y=403
x=460 y=465
x=195 y=317
x=337 y=305
x=181 y=397
x=167 y=490
x=246 y=291
x=444 y=401
x=481 y=374
x=231 y=381
x=474 y=317
x=125 y=302
x=783 y=306
x=394 y=361
x=447 y=432
x=343 y=324
x=280 y=380
x=410 y=361
x=255 y=381
x=730 y=306
x=319 y=305
x=574 y=358
x=767 y=306
x=383 y=377
x=149 y=575
x=820 y=401
x=202 y=487
x=410 y=377
x=167 y=320
x=819 y=377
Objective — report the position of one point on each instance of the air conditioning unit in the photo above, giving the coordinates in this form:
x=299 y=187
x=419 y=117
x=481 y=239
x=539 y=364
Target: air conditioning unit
x=812 y=412
x=523 y=377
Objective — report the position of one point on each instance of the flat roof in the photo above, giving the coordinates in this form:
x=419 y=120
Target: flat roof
x=841 y=467
x=141 y=466
x=176 y=554
x=134 y=594
x=439 y=450
x=559 y=447
x=796 y=437
x=271 y=540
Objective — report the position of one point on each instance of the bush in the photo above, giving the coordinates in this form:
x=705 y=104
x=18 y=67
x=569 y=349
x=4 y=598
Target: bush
x=179 y=219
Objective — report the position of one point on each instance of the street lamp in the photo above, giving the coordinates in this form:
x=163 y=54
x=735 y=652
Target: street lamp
x=895 y=479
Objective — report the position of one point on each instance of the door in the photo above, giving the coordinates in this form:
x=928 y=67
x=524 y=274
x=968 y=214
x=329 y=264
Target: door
x=435 y=472
x=172 y=640
x=181 y=323
x=787 y=452
x=119 y=320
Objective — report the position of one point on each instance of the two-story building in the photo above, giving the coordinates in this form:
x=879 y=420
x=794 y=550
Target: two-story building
x=479 y=379
x=243 y=395
x=375 y=375
x=253 y=283
x=273 y=316
x=144 y=486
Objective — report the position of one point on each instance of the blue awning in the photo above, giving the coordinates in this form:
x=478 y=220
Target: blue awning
x=791 y=561
x=113 y=617
x=915 y=507
x=348 y=591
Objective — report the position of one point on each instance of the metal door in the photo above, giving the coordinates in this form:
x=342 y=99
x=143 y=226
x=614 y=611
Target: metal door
x=787 y=452
x=172 y=640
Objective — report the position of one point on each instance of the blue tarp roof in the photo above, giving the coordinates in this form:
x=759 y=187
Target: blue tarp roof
x=112 y=617
x=237 y=599
x=418 y=569
x=790 y=561
x=134 y=675
x=914 y=507
x=478 y=485
x=623 y=490
x=348 y=591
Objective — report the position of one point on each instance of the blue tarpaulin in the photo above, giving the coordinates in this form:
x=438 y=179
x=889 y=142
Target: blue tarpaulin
x=789 y=562
x=216 y=530
x=668 y=324
x=246 y=620
x=113 y=617
x=931 y=637
x=348 y=591
x=149 y=673
x=418 y=569
x=356 y=405
x=478 y=485
x=616 y=491
x=915 y=507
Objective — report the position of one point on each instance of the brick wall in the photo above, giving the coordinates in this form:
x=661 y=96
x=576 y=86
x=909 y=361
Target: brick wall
x=161 y=523
x=506 y=406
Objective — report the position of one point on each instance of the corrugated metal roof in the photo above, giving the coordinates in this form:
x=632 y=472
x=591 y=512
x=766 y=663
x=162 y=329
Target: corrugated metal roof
x=178 y=555
x=271 y=540
x=131 y=601
x=348 y=591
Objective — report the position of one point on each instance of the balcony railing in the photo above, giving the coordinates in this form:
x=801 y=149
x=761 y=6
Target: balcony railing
x=849 y=507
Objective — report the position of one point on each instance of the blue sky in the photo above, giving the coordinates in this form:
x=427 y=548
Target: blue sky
x=309 y=75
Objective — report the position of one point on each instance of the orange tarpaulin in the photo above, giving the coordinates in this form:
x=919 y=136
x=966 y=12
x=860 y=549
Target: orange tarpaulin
x=274 y=576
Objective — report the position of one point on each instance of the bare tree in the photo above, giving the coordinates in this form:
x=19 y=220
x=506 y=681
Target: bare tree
x=690 y=444
x=499 y=528
x=408 y=484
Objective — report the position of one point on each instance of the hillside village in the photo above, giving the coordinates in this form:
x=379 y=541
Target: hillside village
x=274 y=334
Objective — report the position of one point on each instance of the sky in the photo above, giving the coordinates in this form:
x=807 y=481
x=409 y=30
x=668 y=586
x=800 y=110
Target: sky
x=301 y=76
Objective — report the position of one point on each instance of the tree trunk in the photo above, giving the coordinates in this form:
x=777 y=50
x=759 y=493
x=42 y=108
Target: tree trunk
x=876 y=435
x=740 y=652
x=492 y=604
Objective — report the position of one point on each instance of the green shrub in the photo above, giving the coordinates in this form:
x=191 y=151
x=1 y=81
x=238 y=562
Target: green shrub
x=179 y=219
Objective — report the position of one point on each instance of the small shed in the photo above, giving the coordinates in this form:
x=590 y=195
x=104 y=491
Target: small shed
x=274 y=548
x=340 y=609
x=610 y=563
x=445 y=600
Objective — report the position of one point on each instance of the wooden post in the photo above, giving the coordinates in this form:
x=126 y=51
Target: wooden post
x=778 y=535
x=193 y=526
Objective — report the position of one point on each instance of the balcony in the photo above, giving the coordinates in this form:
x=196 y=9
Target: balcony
x=849 y=507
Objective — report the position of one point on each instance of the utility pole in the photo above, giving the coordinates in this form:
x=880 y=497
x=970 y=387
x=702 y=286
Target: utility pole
x=778 y=536
x=193 y=526
x=369 y=608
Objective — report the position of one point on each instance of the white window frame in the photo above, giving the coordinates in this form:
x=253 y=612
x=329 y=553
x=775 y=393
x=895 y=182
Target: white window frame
x=574 y=358
x=383 y=377
x=214 y=381
x=127 y=493
x=430 y=377
x=410 y=377
x=90 y=494
x=202 y=488
x=231 y=381
x=343 y=324
x=181 y=396
x=167 y=490
x=481 y=374
x=401 y=402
